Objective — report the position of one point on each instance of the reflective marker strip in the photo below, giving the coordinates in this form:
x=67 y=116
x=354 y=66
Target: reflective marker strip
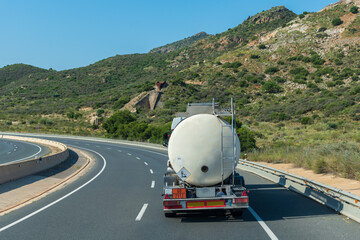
x=141 y=213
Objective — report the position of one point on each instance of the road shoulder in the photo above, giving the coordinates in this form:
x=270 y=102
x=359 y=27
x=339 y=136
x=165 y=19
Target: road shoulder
x=19 y=193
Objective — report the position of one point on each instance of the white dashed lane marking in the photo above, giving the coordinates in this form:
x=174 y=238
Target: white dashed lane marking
x=152 y=184
x=146 y=163
x=151 y=171
x=141 y=213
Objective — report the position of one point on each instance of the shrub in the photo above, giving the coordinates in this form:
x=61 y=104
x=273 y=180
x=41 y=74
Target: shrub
x=279 y=116
x=271 y=87
x=352 y=30
x=300 y=71
x=336 y=21
x=271 y=70
x=46 y=121
x=280 y=80
x=70 y=114
x=243 y=83
x=317 y=60
x=254 y=56
x=301 y=16
x=331 y=84
x=322 y=29
x=262 y=46
x=121 y=102
x=311 y=85
x=320 y=166
x=247 y=139
x=338 y=62
x=306 y=121
x=355 y=90
x=354 y=9
x=233 y=65
x=332 y=126
x=99 y=112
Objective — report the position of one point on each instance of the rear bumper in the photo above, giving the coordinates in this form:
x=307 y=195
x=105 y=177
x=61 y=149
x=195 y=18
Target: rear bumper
x=187 y=205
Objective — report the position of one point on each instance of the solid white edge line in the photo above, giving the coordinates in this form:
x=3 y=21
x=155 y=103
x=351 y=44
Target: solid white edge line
x=146 y=163
x=60 y=199
x=153 y=184
x=141 y=213
x=263 y=224
x=17 y=160
x=151 y=171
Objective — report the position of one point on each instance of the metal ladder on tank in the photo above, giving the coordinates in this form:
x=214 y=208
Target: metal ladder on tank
x=228 y=160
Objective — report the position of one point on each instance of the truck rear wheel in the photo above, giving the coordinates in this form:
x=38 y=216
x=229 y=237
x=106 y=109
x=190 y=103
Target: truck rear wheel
x=170 y=215
x=239 y=180
x=236 y=213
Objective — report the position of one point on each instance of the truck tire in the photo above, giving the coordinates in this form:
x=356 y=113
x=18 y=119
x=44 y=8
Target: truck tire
x=237 y=212
x=170 y=215
x=240 y=181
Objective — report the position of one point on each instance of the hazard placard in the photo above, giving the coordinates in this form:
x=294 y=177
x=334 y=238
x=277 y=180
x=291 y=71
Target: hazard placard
x=183 y=174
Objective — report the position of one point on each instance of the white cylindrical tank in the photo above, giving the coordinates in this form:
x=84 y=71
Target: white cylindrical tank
x=195 y=144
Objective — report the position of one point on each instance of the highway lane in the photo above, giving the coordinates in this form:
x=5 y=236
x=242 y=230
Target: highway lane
x=13 y=151
x=108 y=206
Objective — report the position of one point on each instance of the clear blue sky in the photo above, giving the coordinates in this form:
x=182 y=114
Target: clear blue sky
x=74 y=33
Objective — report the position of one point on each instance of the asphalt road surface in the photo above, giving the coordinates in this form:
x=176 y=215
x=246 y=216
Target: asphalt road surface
x=120 y=198
x=14 y=151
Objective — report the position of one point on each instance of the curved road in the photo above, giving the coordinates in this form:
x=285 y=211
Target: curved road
x=120 y=198
x=14 y=151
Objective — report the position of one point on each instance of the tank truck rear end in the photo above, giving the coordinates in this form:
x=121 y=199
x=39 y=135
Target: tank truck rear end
x=203 y=152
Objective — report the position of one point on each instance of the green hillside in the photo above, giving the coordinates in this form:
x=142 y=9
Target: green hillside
x=294 y=79
x=180 y=44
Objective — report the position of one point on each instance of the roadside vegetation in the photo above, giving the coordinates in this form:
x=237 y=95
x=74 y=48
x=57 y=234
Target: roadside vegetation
x=294 y=80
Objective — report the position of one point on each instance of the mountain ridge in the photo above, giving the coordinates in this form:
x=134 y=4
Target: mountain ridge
x=278 y=66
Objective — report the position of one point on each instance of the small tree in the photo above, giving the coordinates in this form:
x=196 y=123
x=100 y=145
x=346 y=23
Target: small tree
x=337 y=21
x=247 y=139
x=354 y=9
x=262 y=46
x=271 y=70
x=271 y=87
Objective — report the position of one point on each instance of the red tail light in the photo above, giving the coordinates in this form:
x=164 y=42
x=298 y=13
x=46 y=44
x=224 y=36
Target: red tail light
x=166 y=196
x=171 y=204
x=244 y=194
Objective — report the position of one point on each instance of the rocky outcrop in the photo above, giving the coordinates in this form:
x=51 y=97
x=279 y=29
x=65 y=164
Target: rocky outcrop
x=146 y=100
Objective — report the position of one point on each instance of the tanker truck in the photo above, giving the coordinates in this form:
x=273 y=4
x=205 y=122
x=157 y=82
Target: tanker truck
x=203 y=151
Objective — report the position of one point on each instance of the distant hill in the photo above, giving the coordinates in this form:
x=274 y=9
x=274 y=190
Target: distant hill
x=278 y=67
x=181 y=44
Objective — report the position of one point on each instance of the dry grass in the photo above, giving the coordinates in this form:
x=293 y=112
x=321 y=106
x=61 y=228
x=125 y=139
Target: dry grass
x=314 y=147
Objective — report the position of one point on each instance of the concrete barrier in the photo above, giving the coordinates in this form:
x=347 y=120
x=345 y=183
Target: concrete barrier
x=12 y=171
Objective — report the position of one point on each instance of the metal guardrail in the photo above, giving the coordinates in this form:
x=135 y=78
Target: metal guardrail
x=341 y=201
